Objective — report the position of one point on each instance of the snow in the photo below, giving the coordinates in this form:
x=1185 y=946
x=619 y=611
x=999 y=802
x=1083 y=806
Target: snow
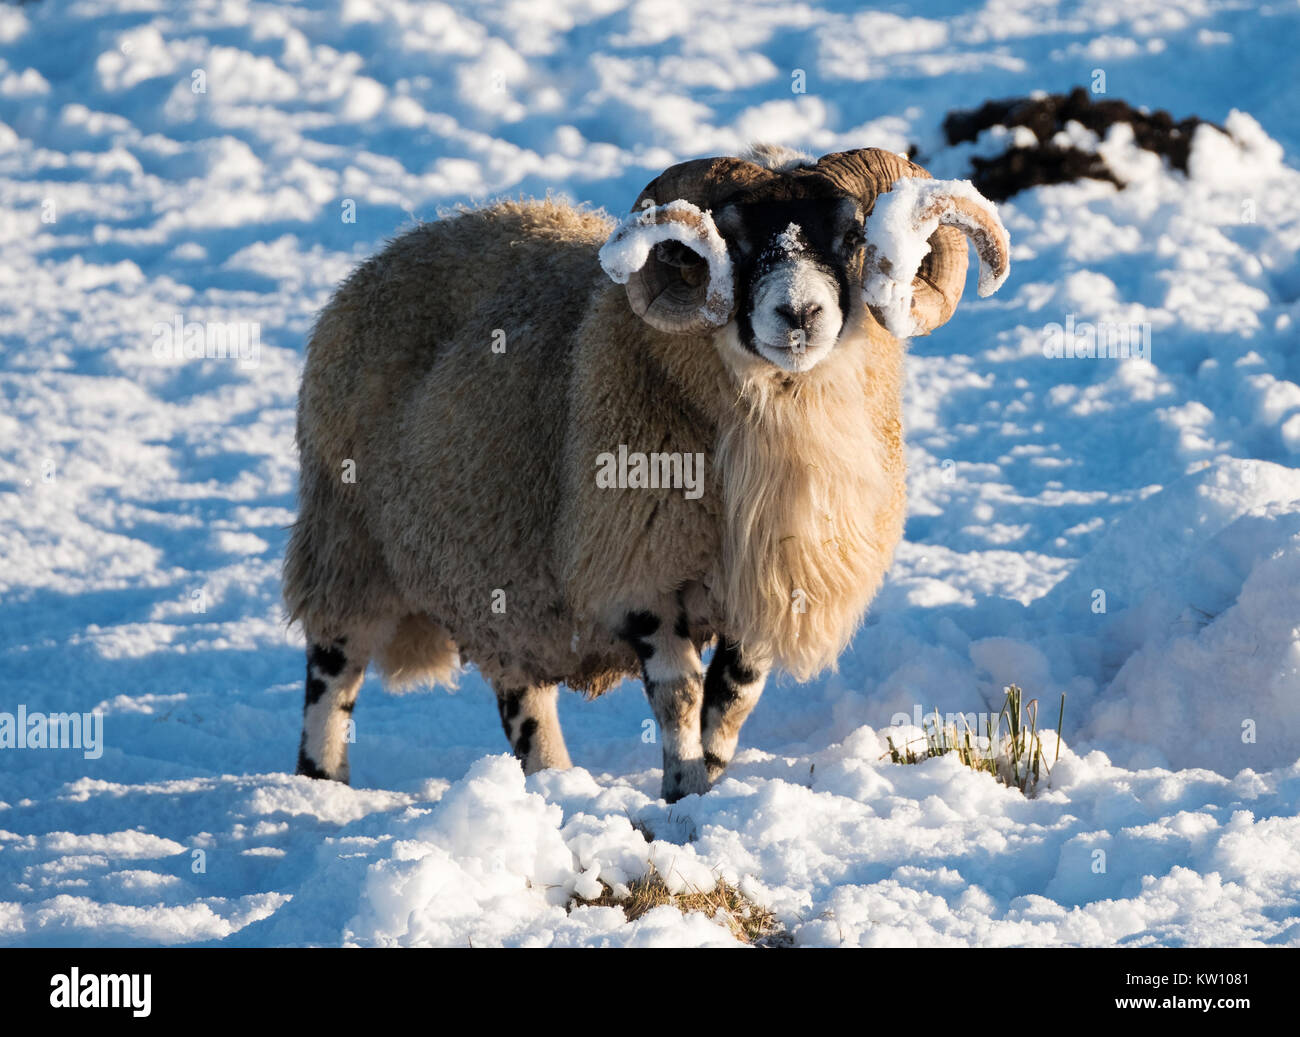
x=1123 y=531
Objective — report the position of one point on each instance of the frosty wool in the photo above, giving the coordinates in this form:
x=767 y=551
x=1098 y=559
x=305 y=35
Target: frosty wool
x=464 y=389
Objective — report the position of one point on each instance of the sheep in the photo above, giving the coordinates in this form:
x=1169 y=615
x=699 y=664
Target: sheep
x=498 y=412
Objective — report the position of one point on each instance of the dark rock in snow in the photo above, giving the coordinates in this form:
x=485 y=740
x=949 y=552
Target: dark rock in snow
x=1016 y=169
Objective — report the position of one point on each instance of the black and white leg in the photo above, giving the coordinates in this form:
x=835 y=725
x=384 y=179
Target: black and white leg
x=333 y=679
x=731 y=690
x=533 y=726
x=674 y=684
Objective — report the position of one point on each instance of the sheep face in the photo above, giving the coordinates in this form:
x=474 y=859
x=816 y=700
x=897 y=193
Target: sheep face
x=777 y=252
x=794 y=267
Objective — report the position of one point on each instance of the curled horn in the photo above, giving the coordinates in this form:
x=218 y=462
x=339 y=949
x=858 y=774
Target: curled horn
x=943 y=212
x=675 y=296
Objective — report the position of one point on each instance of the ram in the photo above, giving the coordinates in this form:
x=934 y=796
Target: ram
x=488 y=403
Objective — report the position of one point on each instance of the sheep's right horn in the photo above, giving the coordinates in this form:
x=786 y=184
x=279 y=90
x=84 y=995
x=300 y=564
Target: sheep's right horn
x=687 y=290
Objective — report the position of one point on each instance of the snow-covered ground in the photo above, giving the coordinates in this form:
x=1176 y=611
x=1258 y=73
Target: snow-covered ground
x=1124 y=531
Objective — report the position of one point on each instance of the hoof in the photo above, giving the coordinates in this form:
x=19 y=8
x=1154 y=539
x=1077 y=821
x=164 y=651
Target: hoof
x=684 y=778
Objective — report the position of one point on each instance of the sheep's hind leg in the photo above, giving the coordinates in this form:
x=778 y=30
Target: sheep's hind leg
x=533 y=726
x=334 y=677
x=674 y=684
x=731 y=690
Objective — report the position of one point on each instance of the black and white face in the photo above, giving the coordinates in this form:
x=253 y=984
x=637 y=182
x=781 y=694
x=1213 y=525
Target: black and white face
x=794 y=262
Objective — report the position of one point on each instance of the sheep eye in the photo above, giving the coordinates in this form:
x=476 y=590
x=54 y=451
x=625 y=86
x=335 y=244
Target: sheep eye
x=853 y=238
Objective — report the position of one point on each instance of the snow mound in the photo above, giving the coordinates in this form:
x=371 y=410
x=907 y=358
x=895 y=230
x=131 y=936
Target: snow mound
x=497 y=864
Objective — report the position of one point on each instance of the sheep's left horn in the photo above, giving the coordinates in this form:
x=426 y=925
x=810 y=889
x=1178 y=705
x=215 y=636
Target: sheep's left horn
x=915 y=264
x=689 y=290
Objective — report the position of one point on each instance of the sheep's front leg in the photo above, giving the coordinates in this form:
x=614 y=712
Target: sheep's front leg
x=674 y=684
x=533 y=726
x=334 y=676
x=731 y=690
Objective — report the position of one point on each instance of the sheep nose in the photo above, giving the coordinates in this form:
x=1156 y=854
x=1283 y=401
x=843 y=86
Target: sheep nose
x=799 y=317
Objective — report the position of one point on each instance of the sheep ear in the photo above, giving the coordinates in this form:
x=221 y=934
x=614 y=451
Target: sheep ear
x=645 y=254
